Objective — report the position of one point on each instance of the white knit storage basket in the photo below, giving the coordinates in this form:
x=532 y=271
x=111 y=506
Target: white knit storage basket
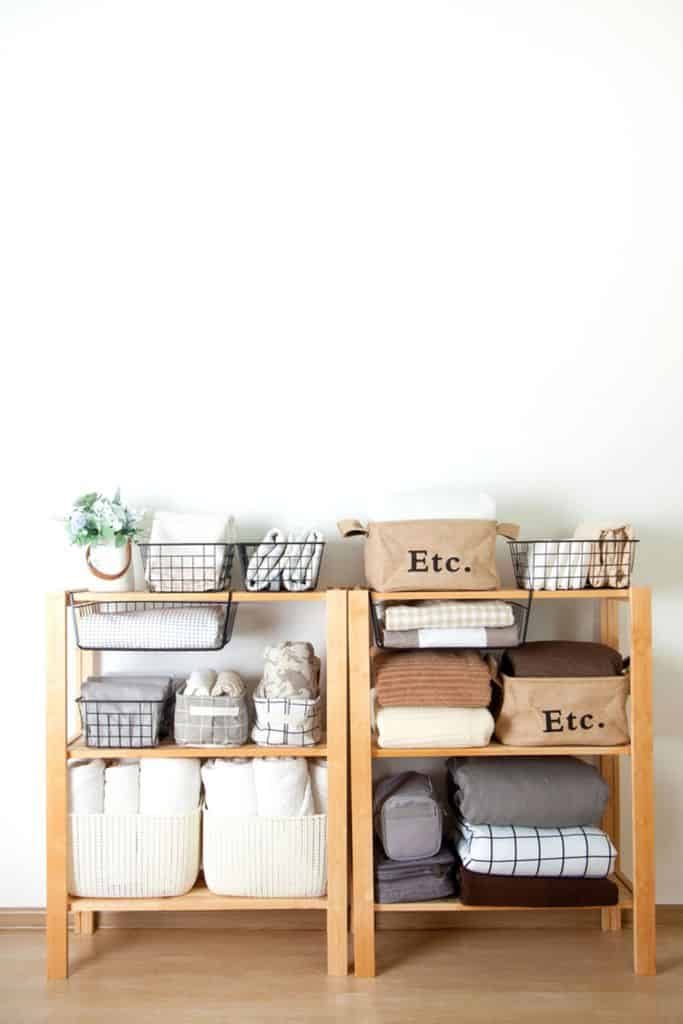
x=133 y=855
x=268 y=857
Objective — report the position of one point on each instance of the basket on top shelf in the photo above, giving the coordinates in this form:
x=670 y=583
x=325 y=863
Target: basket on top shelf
x=573 y=564
x=153 y=625
x=173 y=568
x=494 y=625
x=277 y=564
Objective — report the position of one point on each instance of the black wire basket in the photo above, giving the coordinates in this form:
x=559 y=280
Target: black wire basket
x=573 y=564
x=153 y=625
x=520 y=613
x=121 y=723
x=187 y=568
x=292 y=565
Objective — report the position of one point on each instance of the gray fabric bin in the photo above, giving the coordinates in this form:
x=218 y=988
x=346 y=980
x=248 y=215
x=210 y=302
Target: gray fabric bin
x=210 y=721
x=408 y=818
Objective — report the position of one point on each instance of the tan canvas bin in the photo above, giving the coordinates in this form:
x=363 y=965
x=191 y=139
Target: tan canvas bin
x=430 y=554
x=552 y=712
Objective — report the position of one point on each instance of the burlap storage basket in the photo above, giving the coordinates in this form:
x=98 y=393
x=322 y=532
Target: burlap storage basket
x=430 y=554
x=553 y=712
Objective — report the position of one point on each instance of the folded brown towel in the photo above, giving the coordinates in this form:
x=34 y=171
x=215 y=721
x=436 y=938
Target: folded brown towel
x=563 y=659
x=456 y=679
x=503 y=891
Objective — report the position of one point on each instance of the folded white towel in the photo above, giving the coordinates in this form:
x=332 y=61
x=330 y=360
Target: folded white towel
x=318 y=773
x=229 y=787
x=265 y=565
x=122 y=788
x=463 y=636
x=301 y=561
x=86 y=787
x=433 y=727
x=200 y=683
x=178 y=564
x=228 y=684
x=283 y=787
x=169 y=785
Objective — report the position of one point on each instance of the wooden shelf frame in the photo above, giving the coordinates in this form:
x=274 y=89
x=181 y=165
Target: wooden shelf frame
x=641 y=894
x=60 y=749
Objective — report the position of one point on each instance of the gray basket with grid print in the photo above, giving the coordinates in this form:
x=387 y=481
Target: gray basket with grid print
x=210 y=721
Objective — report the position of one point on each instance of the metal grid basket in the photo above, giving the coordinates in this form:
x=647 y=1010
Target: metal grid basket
x=572 y=564
x=296 y=567
x=153 y=625
x=520 y=612
x=121 y=723
x=187 y=568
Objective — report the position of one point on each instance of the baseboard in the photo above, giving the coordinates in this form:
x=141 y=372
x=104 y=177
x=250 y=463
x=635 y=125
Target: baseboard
x=28 y=918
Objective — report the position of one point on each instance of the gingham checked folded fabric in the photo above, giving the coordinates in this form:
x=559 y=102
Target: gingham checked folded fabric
x=287 y=722
x=189 y=627
x=579 y=852
x=445 y=614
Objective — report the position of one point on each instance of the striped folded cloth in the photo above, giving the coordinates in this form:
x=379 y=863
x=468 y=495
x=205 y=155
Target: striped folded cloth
x=445 y=614
x=456 y=679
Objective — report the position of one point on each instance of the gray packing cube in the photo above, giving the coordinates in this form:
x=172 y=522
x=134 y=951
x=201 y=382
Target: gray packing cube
x=408 y=818
x=537 y=792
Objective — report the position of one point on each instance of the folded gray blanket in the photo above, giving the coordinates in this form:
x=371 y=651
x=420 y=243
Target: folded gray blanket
x=538 y=792
x=432 y=878
x=126 y=687
x=491 y=637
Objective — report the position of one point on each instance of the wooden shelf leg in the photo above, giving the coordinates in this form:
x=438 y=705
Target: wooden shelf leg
x=337 y=818
x=57 y=913
x=609 y=766
x=361 y=786
x=642 y=781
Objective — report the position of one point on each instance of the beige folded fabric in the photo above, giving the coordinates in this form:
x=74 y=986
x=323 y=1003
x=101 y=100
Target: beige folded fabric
x=431 y=678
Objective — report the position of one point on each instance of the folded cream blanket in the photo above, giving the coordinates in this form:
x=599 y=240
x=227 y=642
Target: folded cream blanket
x=432 y=727
x=301 y=561
x=230 y=788
x=169 y=785
x=265 y=565
x=445 y=614
x=86 y=787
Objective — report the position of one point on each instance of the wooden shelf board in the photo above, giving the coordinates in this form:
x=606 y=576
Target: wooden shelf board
x=199 y=898
x=499 y=750
x=216 y=597
x=500 y=595
x=78 y=750
x=448 y=906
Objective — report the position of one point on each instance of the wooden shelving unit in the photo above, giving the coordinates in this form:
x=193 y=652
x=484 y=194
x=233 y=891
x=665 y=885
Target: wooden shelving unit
x=60 y=748
x=639 y=895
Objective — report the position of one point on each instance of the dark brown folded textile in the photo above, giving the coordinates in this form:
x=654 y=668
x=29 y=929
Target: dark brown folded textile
x=562 y=659
x=501 y=891
x=456 y=679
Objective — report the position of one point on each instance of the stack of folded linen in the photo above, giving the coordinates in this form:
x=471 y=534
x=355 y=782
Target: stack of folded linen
x=411 y=862
x=450 y=624
x=526 y=832
x=431 y=699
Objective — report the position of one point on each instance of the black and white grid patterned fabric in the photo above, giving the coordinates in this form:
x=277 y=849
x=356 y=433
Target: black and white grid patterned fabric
x=210 y=721
x=582 y=851
x=287 y=722
x=116 y=626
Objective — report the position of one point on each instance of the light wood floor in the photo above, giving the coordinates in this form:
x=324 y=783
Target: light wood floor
x=532 y=976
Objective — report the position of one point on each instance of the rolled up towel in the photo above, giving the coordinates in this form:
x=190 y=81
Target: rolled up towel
x=122 y=788
x=283 y=787
x=318 y=772
x=265 y=565
x=200 y=683
x=433 y=727
x=228 y=684
x=229 y=787
x=86 y=787
x=290 y=669
x=169 y=785
x=301 y=560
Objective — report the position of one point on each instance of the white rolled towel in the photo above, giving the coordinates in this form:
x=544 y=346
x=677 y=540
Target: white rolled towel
x=265 y=565
x=169 y=785
x=229 y=787
x=283 y=787
x=200 y=682
x=318 y=772
x=228 y=684
x=122 y=788
x=302 y=560
x=86 y=787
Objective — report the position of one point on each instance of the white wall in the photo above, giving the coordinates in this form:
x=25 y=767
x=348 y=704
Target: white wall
x=269 y=257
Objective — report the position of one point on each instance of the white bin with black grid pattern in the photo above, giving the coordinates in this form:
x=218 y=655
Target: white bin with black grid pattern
x=287 y=721
x=579 y=851
x=265 y=857
x=202 y=721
